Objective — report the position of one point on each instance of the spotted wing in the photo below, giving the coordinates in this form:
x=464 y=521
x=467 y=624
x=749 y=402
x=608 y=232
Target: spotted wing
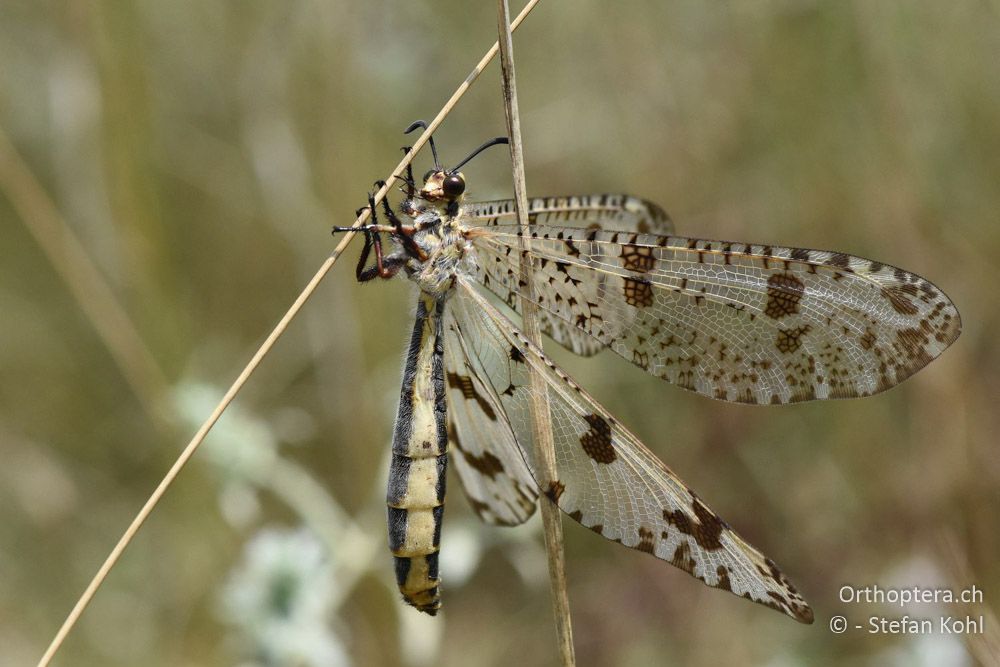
x=592 y=212
x=733 y=321
x=623 y=213
x=494 y=476
x=605 y=478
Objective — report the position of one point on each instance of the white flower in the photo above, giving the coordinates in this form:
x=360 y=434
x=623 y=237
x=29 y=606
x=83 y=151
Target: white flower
x=278 y=600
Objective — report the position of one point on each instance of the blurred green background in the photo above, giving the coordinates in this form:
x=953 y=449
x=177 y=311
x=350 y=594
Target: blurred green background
x=198 y=154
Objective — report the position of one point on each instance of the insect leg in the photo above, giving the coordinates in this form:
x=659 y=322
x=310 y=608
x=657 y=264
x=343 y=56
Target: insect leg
x=405 y=238
x=411 y=185
x=360 y=269
x=386 y=266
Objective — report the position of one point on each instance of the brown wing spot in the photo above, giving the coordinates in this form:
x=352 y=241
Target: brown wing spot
x=801 y=254
x=597 y=441
x=638 y=258
x=792 y=604
x=912 y=344
x=899 y=297
x=707 y=529
x=481 y=509
x=804 y=392
x=784 y=291
x=464 y=384
x=682 y=558
x=796 y=604
x=780 y=599
x=839 y=259
x=487 y=464
x=778 y=576
x=801 y=612
x=555 y=491
x=723 y=572
x=912 y=339
x=685 y=379
x=638 y=293
x=868 y=340
x=563 y=267
x=515 y=355
x=645 y=540
x=789 y=340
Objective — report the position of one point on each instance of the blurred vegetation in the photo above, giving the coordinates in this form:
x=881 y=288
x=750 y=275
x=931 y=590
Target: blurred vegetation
x=199 y=153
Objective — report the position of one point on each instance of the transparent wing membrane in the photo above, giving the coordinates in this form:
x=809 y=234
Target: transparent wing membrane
x=733 y=321
x=606 y=479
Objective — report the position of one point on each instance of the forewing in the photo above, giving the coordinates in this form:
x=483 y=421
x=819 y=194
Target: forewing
x=591 y=212
x=733 y=321
x=494 y=476
x=623 y=213
x=605 y=478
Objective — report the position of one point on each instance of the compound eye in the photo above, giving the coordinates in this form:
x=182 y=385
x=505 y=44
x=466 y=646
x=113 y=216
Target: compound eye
x=453 y=186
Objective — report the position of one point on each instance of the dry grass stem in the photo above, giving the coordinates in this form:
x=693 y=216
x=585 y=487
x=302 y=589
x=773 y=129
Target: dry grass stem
x=264 y=349
x=540 y=413
x=91 y=291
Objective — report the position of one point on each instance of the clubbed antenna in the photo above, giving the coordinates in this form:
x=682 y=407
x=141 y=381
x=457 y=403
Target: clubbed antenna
x=491 y=142
x=420 y=123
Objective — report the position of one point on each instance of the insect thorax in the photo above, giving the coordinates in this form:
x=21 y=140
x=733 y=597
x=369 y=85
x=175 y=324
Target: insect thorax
x=448 y=253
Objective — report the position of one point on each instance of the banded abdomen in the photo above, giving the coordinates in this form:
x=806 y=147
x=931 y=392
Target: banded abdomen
x=419 y=462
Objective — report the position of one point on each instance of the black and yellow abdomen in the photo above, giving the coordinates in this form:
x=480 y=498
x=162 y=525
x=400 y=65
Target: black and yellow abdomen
x=419 y=462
